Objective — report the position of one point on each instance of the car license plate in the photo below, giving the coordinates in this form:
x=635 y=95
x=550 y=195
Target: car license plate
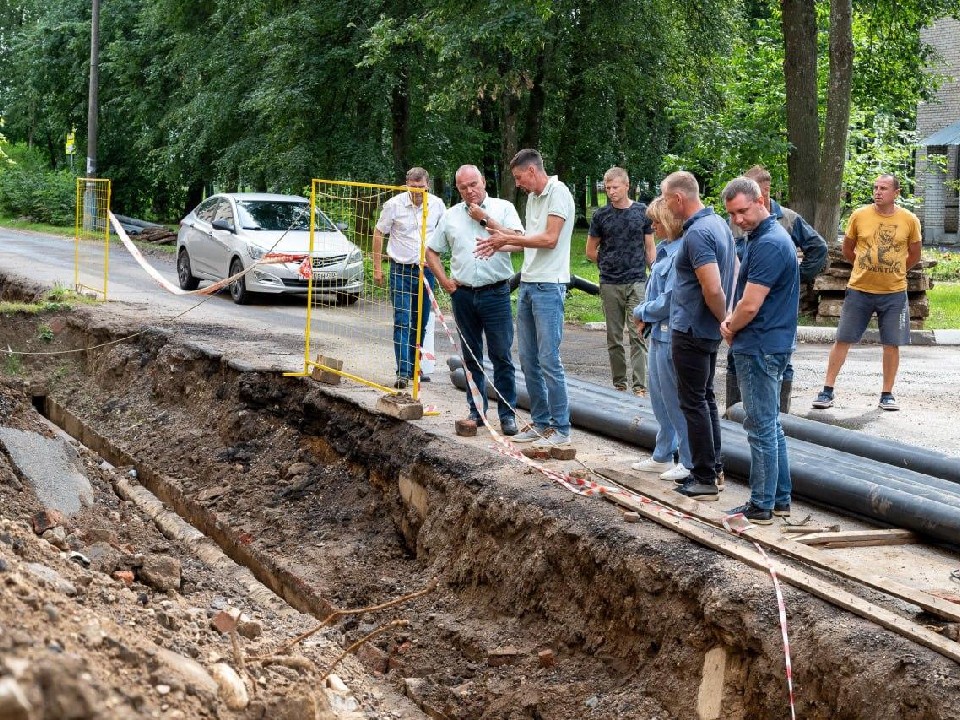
x=320 y=275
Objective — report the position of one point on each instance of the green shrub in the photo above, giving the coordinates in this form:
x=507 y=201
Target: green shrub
x=27 y=189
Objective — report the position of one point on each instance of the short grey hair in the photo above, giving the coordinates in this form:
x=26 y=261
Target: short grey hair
x=742 y=185
x=682 y=182
x=418 y=173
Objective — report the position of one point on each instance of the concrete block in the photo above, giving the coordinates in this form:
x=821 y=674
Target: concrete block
x=326 y=376
x=401 y=406
x=631 y=517
x=563 y=453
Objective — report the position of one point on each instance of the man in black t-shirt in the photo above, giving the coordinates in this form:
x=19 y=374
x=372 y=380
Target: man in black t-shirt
x=620 y=241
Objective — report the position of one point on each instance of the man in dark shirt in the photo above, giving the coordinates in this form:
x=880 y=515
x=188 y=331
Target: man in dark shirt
x=620 y=241
x=704 y=269
x=808 y=241
x=762 y=331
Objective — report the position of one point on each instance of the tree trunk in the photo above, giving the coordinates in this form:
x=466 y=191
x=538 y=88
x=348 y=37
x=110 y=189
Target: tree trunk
x=400 y=124
x=508 y=148
x=799 y=23
x=837 y=124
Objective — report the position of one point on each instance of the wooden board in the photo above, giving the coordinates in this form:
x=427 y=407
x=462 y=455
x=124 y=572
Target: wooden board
x=729 y=545
x=858 y=538
x=770 y=538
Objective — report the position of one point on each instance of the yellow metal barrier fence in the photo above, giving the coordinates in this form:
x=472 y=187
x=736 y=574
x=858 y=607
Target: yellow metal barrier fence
x=91 y=237
x=351 y=322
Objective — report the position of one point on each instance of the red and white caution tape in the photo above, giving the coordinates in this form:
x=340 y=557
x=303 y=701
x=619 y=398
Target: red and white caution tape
x=737 y=524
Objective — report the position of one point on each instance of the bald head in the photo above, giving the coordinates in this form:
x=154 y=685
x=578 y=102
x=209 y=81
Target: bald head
x=471 y=184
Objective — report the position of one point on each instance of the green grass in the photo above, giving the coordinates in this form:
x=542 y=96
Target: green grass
x=947 y=268
x=17 y=224
x=944 y=300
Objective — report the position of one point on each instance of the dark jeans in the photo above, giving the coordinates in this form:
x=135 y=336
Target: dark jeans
x=486 y=312
x=695 y=360
x=404 y=289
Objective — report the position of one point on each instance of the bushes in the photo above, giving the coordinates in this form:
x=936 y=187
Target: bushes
x=27 y=189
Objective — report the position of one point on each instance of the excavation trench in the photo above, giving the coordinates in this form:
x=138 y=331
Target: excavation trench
x=548 y=606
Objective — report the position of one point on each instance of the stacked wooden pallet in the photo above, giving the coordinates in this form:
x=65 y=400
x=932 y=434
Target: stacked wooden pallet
x=831 y=284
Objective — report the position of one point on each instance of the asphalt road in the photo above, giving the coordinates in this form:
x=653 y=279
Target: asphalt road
x=928 y=386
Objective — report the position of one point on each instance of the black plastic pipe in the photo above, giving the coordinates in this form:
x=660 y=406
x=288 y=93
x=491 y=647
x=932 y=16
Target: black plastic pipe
x=928 y=462
x=891 y=495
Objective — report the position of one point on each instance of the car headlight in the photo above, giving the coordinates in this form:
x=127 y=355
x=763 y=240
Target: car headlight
x=355 y=256
x=255 y=251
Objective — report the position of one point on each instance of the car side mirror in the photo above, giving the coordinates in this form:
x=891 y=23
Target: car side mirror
x=342 y=227
x=222 y=225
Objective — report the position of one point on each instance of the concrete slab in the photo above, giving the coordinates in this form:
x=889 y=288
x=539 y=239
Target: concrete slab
x=51 y=468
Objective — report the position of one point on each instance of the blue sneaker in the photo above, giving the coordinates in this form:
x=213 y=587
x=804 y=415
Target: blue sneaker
x=888 y=402
x=824 y=400
x=529 y=434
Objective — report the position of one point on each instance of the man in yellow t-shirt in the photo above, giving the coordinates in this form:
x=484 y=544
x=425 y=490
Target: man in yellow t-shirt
x=882 y=242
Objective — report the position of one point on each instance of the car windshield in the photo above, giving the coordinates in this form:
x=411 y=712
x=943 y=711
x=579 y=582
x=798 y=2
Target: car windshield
x=279 y=215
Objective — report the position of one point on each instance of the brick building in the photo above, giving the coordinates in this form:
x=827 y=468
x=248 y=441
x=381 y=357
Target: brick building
x=938 y=124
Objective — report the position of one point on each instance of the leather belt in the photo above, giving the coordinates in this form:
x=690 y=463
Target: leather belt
x=491 y=286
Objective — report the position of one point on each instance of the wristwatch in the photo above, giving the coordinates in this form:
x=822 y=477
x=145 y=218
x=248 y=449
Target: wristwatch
x=483 y=222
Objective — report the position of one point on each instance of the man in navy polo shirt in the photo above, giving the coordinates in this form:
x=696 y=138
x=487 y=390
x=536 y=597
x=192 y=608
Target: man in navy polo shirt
x=704 y=269
x=762 y=331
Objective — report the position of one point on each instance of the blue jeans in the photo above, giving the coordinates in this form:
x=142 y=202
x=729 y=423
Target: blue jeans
x=404 y=286
x=539 y=332
x=759 y=377
x=662 y=376
x=695 y=361
x=732 y=368
x=486 y=312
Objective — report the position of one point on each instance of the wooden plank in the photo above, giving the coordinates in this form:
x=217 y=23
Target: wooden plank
x=858 y=538
x=723 y=542
x=771 y=539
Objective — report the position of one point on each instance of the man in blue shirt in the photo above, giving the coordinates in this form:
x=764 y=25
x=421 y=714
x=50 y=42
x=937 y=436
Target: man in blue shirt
x=814 y=249
x=762 y=331
x=704 y=265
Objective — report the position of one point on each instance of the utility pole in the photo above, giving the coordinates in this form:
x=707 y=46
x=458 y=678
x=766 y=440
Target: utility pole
x=92 y=100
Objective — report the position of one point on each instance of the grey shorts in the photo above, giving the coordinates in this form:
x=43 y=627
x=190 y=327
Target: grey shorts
x=891 y=309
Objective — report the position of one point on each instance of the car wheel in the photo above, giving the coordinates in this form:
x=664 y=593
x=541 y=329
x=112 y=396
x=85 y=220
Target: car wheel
x=238 y=288
x=184 y=273
x=347 y=298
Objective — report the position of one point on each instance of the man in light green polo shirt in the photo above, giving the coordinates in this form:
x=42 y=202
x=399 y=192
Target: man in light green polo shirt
x=479 y=289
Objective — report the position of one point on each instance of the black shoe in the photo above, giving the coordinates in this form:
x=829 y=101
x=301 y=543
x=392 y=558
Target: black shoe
x=478 y=420
x=781 y=510
x=424 y=378
x=401 y=383
x=754 y=514
x=508 y=426
x=694 y=488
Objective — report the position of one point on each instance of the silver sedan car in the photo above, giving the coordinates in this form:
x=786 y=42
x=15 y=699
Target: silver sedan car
x=229 y=232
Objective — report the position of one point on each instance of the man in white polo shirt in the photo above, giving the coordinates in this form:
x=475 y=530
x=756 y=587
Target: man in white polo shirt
x=543 y=286
x=402 y=219
x=479 y=289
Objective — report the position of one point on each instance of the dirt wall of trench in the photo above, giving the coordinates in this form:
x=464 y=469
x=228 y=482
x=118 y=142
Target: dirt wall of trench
x=339 y=506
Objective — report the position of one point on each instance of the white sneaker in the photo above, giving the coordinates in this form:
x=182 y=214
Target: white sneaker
x=651 y=465
x=677 y=473
x=551 y=437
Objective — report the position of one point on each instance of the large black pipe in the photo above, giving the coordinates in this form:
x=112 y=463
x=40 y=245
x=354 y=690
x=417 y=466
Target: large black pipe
x=928 y=462
x=859 y=485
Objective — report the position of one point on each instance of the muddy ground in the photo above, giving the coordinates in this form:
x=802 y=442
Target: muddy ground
x=546 y=605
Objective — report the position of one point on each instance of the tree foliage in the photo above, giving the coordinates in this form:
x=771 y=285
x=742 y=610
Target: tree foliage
x=197 y=95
